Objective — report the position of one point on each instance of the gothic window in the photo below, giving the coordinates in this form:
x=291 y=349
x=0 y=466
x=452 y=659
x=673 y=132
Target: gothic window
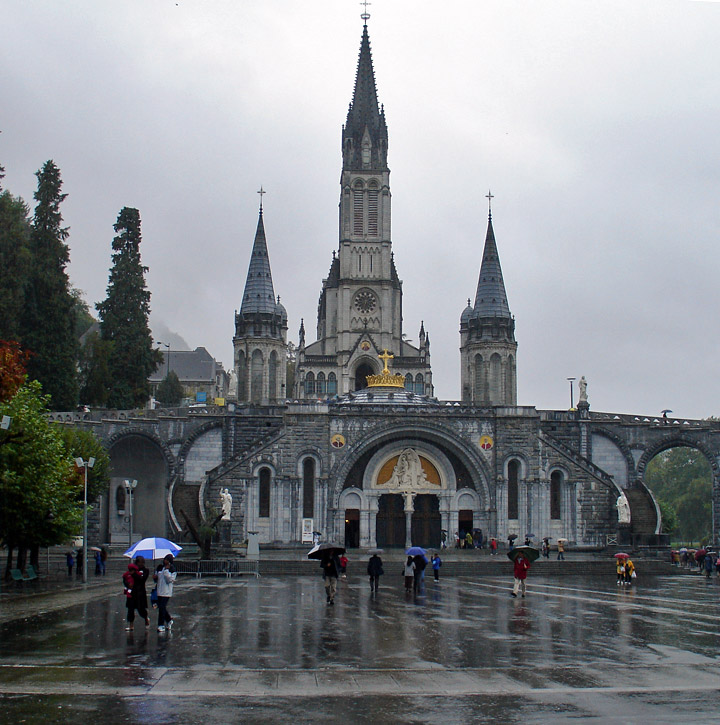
x=481 y=393
x=366 y=154
x=409 y=382
x=510 y=380
x=320 y=384
x=512 y=493
x=256 y=377
x=496 y=380
x=272 y=376
x=332 y=384
x=419 y=384
x=241 y=377
x=373 y=212
x=358 y=208
x=308 y=488
x=264 y=493
x=310 y=384
x=556 y=479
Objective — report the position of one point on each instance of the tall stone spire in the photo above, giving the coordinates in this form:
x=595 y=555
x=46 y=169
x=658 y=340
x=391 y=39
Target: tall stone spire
x=488 y=348
x=259 y=295
x=365 y=137
x=491 y=298
x=260 y=340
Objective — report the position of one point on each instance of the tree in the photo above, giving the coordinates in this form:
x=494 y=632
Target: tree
x=94 y=371
x=124 y=318
x=170 y=391
x=681 y=479
x=13 y=369
x=14 y=262
x=47 y=327
x=38 y=488
x=81 y=310
x=83 y=444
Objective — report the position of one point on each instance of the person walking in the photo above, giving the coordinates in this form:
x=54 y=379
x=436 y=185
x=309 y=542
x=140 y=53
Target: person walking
x=165 y=577
x=620 y=570
x=468 y=540
x=520 y=570
x=343 y=566
x=70 y=563
x=330 y=564
x=409 y=573
x=98 y=563
x=443 y=539
x=375 y=571
x=561 y=550
x=493 y=546
x=546 y=548
x=629 y=571
x=709 y=565
x=136 y=597
x=436 y=562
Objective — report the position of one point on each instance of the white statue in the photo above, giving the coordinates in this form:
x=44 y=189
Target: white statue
x=623 y=509
x=408 y=472
x=582 y=384
x=226 y=499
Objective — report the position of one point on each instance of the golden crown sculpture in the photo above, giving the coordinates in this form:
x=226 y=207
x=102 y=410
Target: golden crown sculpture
x=385 y=379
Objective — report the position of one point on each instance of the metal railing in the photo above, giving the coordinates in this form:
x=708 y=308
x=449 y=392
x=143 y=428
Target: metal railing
x=218 y=567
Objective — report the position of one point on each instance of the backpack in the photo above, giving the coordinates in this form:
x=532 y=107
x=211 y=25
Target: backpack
x=127 y=580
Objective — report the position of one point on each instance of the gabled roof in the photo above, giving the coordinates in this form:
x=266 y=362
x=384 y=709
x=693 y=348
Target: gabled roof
x=196 y=365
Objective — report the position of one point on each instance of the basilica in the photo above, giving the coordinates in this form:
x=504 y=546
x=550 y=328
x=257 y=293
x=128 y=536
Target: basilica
x=343 y=436
x=357 y=447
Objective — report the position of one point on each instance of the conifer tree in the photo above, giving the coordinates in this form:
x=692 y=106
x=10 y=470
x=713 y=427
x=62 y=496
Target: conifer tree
x=124 y=318
x=170 y=391
x=47 y=328
x=14 y=261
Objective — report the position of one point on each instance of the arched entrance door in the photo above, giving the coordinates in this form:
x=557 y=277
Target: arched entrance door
x=360 y=374
x=425 y=529
x=390 y=528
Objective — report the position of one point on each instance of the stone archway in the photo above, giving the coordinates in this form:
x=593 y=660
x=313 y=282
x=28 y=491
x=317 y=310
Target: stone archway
x=361 y=373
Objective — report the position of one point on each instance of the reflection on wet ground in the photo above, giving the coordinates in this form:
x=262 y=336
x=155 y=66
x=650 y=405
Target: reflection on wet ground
x=573 y=648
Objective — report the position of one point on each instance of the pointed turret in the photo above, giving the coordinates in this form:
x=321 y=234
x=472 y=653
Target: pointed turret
x=487 y=335
x=365 y=136
x=259 y=294
x=260 y=330
x=491 y=298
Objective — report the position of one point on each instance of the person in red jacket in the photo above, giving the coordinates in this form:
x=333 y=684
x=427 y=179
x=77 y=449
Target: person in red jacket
x=520 y=570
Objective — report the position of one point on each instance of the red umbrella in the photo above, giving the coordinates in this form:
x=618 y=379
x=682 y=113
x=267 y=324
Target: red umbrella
x=622 y=556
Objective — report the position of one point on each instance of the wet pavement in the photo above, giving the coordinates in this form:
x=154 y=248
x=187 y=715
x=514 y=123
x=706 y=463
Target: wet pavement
x=271 y=650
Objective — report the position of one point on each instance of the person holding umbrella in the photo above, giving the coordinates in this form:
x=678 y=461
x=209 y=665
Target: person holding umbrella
x=328 y=554
x=165 y=577
x=522 y=557
x=620 y=560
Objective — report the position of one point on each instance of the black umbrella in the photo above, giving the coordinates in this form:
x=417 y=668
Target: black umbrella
x=327 y=548
x=512 y=537
x=529 y=552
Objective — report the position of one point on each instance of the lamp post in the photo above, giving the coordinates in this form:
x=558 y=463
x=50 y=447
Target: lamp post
x=571 y=381
x=80 y=463
x=130 y=485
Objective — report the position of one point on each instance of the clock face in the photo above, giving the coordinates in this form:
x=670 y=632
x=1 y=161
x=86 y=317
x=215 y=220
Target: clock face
x=365 y=301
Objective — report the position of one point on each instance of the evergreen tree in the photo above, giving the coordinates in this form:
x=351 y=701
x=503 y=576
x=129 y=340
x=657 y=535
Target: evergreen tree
x=124 y=318
x=14 y=261
x=170 y=391
x=47 y=329
x=94 y=371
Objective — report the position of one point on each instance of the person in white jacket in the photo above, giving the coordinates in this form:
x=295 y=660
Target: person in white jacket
x=165 y=576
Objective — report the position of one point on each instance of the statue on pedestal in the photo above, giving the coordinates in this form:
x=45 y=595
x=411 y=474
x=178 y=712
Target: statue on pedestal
x=226 y=501
x=408 y=472
x=623 y=509
x=582 y=384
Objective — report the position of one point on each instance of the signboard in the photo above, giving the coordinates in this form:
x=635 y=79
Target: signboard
x=201 y=397
x=307 y=531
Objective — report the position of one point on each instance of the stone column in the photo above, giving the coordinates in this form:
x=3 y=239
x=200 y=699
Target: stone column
x=409 y=509
x=372 y=522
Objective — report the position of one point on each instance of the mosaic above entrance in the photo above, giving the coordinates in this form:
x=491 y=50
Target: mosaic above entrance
x=408 y=471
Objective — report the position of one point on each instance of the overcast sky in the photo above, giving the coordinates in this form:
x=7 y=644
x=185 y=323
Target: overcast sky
x=595 y=124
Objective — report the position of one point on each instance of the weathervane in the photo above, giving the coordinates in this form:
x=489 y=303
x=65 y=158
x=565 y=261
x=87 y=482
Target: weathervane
x=365 y=15
x=262 y=193
x=489 y=196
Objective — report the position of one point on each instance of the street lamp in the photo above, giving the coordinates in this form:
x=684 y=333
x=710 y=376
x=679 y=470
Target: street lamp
x=130 y=488
x=80 y=463
x=167 y=357
x=571 y=380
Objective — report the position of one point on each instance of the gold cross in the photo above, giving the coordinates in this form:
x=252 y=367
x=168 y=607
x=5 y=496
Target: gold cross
x=385 y=357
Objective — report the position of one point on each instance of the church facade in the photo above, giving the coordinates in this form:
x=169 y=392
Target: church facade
x=360 y=450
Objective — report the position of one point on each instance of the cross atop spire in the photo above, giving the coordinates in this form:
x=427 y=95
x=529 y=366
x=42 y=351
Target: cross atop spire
x=489 y=196
x=365 y=14
x=262 y=193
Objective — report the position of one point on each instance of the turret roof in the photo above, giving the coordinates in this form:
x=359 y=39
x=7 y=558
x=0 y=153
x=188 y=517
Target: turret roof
x=259 y=295
x=491 y=298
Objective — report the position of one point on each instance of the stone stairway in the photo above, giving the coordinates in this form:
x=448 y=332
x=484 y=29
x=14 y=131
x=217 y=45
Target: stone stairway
x=643 y=516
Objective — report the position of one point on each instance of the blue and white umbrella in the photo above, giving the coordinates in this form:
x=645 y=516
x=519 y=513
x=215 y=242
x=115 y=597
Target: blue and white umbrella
x=153 y=548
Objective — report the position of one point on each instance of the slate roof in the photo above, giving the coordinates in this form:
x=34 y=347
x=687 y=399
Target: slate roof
x=196 y=365
x=259 y=295
x=491 y=298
